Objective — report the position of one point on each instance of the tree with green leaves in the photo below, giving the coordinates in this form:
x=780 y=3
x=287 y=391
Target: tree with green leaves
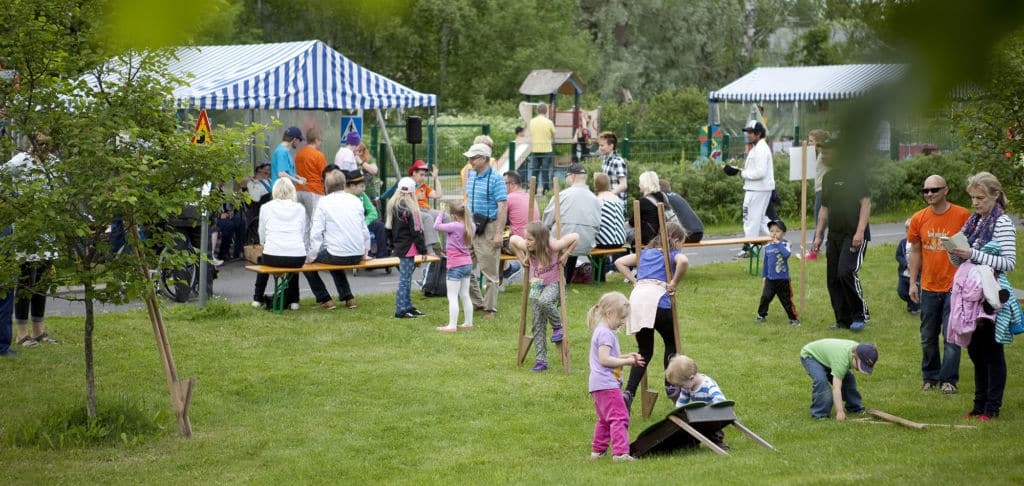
x=118 y=154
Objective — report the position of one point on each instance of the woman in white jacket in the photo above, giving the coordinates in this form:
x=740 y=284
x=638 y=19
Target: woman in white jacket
x=282 y=229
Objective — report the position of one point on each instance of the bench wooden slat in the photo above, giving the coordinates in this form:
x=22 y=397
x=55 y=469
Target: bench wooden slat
x=325 y=267
x=760 y=240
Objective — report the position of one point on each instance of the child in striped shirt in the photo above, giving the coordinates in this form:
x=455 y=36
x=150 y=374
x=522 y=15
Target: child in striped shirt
x=694 y=387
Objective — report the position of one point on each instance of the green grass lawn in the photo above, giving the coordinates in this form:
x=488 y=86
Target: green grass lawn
x=355 y=396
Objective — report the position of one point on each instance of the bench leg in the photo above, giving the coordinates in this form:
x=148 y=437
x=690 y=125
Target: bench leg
x=280 y=286
x=754 y=260
x=597 y=265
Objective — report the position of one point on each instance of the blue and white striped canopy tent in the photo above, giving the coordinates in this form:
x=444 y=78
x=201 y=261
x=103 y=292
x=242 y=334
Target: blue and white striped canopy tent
x=306 y=75
x=808 y=83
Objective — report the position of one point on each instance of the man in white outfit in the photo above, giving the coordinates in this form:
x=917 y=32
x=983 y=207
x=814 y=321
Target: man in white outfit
x=758 y=181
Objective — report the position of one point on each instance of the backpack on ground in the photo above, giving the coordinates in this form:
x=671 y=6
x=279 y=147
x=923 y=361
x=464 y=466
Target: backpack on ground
x=435 y=282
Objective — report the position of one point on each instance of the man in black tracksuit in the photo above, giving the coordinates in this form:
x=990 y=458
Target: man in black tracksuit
x=845 y=207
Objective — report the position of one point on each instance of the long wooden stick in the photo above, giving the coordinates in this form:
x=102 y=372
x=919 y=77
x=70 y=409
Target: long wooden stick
x=525 y=341
x=648 y=397
x=869 y=420
x=803 y=226
x=563 y=345
x=666 y=252
x=697 y=435
x=896 y=420
x=180 y=391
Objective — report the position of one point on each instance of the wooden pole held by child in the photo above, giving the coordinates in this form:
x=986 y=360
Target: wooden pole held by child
x=525 y=340
x=648 y=397
x=666 y=252
x=563 y=345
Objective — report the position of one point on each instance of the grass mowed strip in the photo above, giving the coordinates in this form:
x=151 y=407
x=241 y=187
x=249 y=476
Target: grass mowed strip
x=356 y=396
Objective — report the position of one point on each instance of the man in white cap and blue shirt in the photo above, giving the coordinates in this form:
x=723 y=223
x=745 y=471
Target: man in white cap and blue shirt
x=487 y=199
x=758 y=181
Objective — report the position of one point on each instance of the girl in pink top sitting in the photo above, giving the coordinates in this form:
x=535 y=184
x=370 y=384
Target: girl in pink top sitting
x=543 y=255
x=459 y=239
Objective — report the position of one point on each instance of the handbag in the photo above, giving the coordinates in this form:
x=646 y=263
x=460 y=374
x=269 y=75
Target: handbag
x=253 y=253
x=480 y=221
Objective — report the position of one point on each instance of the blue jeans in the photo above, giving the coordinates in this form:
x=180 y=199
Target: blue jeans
x=934 y=318
x=460 y=272
x=540 y=164
x=403 y=301
x=821 y=389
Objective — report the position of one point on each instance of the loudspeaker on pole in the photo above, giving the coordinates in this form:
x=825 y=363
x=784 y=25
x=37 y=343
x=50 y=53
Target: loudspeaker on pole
x=414 y=130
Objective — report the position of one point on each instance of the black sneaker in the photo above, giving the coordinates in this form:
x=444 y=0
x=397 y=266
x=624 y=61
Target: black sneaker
x=405 y=315
x=416 y=312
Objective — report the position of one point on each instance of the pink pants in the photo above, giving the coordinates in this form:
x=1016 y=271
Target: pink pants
x=612 y=422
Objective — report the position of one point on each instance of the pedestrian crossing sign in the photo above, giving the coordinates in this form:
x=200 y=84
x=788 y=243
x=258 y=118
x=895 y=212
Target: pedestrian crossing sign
x=351 y=124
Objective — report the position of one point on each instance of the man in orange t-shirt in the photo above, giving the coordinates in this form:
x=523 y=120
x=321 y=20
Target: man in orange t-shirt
x=930 y=258
x=310 y=163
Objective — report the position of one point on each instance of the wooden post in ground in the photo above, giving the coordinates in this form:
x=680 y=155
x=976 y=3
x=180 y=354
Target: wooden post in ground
x=648 y=397
x=563 y=345
x=803 y=225
x=526 y=340
x=180 y=391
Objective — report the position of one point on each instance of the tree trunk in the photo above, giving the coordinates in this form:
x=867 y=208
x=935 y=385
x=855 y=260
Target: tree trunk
x=748 y=29
x=90 y=377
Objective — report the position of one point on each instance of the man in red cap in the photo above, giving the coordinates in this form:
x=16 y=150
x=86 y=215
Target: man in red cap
x=424 y=194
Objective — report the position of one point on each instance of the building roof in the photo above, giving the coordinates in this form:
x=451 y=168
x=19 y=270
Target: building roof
x=809 y=83
x=542 y=82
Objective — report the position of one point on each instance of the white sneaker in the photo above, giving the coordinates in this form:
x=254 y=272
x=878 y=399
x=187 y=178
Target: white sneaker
x=294 y=306
x=257 y=304
x=215 y=262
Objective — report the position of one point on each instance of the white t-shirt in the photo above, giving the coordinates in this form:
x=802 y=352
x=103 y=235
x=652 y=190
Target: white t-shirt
x=345 y=159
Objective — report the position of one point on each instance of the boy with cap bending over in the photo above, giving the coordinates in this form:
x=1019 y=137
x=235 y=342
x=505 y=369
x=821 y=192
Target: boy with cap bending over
x=829 y=363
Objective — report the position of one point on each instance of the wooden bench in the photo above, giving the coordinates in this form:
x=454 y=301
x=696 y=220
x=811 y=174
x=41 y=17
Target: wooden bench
x=283 y=275
x=597 y=255
x=753 y=253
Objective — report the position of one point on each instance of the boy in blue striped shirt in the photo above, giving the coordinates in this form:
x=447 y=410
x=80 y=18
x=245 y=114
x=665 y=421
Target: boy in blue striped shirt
x=694 y=387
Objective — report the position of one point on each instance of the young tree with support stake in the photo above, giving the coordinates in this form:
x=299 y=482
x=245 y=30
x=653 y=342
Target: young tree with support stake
x=119 y=156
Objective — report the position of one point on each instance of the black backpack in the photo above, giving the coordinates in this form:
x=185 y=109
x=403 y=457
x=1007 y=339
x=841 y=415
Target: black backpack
x=437 y=273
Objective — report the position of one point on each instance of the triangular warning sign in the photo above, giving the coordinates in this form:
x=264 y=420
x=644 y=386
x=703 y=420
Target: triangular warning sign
x=203 y=131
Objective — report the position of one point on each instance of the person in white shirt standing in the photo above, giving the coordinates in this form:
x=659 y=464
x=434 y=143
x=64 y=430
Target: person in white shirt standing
x=758 y=181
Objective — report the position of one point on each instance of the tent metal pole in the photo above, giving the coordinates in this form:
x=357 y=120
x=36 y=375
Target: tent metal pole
x=387 y=141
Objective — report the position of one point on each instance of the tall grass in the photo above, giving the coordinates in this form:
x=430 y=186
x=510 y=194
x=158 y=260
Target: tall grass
x=355 y=396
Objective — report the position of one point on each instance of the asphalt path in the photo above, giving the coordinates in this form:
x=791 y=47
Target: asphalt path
x=235 y=284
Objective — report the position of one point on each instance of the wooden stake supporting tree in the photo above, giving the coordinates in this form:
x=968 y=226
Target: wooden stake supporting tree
x=648 y=397
x=526 y=340
x=563 y=345
x=181 y=391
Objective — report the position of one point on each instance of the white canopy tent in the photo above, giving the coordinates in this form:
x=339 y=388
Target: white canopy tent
x=307 y=75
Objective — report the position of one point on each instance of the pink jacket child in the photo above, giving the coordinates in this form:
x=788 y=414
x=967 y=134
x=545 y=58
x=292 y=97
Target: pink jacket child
x=974 y=296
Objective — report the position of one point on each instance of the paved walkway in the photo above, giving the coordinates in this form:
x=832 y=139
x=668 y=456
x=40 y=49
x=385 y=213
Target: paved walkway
x=235 y=284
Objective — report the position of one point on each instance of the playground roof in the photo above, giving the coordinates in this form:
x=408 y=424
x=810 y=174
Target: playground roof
x=306 y=75
x=542 y=82
x=808 y=83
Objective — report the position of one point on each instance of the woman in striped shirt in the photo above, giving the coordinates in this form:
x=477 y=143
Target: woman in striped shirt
x=989 y=223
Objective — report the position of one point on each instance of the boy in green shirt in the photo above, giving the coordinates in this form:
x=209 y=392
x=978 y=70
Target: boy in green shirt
x=828 y=362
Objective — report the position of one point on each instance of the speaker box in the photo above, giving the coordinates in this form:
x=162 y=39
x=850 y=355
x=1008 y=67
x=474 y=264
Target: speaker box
x=414 y=129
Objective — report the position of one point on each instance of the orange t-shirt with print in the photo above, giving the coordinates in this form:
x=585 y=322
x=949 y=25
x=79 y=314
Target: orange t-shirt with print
x=925 y=228
x=423 y=196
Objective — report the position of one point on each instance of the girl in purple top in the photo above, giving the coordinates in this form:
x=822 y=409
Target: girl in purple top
x=459 y=238
x=609 y=314
x=544 y=256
